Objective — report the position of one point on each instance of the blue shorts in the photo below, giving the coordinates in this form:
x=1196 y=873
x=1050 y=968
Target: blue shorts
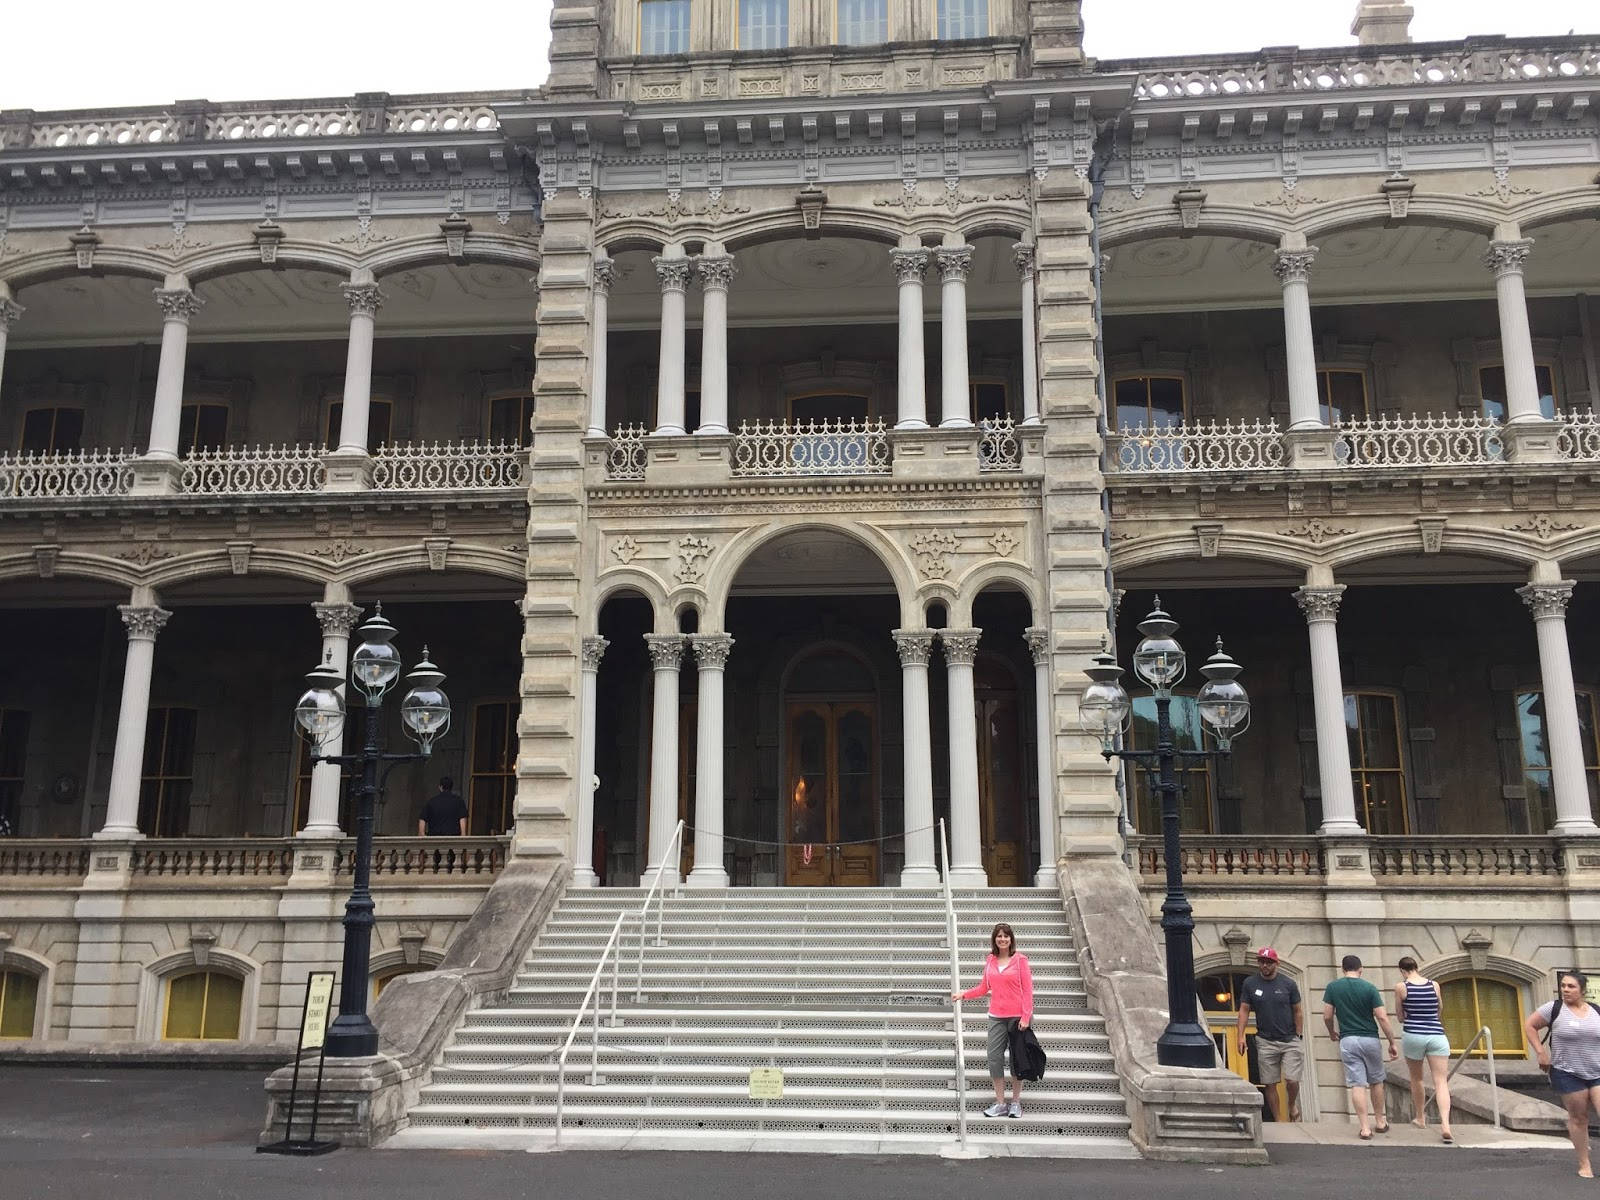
x=1567 y=1083
x=1417 y=1046
x=1363 y=1061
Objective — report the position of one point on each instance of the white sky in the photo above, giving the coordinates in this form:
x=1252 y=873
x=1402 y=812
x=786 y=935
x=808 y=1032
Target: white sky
x=148 y=53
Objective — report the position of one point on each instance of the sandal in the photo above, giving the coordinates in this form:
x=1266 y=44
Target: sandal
x=1384 y=1128
x=1365 y=1136
x=1447 y=1139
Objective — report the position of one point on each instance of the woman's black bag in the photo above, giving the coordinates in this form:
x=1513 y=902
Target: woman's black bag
x=1027 y=1056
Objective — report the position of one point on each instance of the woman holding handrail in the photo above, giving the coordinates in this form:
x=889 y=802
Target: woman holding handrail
x=1008 y=982
x=1417 y=1002
x=1572 y=1057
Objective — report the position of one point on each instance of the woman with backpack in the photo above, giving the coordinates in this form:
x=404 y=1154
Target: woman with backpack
x=1572 y=1057
x=1008 y=983
x=1423 y=1039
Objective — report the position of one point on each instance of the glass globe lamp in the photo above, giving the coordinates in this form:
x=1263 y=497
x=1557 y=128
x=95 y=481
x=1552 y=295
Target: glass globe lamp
x=426 y=709
x=1224 y=705
x=1159 y=659
x=376 y=664
x=1104 y=706
x=319 y=712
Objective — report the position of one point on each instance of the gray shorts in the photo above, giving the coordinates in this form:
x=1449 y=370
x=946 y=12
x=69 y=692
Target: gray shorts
x=999 y=1038
x=1279 y=1061
x=1363 y=1061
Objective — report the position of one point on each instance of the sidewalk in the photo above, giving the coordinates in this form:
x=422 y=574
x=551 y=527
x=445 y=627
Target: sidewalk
x=1339 y=1131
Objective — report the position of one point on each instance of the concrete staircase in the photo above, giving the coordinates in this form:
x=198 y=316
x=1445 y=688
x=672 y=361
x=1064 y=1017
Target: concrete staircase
x=845 y=990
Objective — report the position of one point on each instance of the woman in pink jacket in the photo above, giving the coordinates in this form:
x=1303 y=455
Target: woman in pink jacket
x=1008 y=983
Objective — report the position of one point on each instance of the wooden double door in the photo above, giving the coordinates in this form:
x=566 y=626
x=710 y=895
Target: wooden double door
x=831 y=769
x=1002 y=818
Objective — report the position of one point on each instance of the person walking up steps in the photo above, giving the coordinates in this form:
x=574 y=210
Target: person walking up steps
x=1274 y=1000
x=1008 y=983
x=1422 y=1037
x=1358 y=1007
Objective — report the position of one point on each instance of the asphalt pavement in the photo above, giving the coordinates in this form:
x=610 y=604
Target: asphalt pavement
x=127 y=1134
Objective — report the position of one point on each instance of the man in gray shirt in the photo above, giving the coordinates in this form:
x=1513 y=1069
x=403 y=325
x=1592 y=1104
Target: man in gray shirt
x=1274 y=1000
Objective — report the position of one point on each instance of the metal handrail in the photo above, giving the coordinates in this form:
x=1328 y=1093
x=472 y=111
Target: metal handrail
x=612 y=943
x=951 y=935
x=1486 y=1036
x=673 y=852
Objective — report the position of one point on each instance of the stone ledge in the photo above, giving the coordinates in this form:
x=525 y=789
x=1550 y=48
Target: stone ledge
x=218 y=1056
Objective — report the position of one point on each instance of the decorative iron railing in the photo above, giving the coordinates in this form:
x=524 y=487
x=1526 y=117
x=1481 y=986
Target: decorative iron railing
x=999 y=449
x=1419 y=441
x=1579 y=436
x=75 y=474
x=262 y=470
x=814 y=448
x=1247 y=446
x=625 y=454
x=449 y=466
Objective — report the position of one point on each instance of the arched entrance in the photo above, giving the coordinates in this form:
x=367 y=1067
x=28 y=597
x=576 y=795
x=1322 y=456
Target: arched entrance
x=831 y=757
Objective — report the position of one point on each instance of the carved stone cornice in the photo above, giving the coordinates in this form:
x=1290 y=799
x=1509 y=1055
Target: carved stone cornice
x=1023 y=254
x=1038 y=639
x=711 y=650
x=1294 y=266
x=337 y=620
x=1547 y=601
x=364 y=299
x=673 y=273
x=955 y=263
x=178 y=304
x=10 y=311
x=143 y=621
x=915 y=646
x=666 y=650
x=605 y=274
x=910 y=266
x=594 y=649
x=715 y=271
x=1508 y=258
x=960 y=646
x=1320 y=604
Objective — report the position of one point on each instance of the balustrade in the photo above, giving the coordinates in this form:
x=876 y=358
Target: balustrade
x=430 y=857
x=1427 y=440
x=814 y=448
x=44 y=858
x=1263 y=856
x=241 y=471
x=1464 y=857
x=449 y=466
x=213 y=858
x=1395 y=860
x=1247 y=446
x=998 y=447
x=73 y=475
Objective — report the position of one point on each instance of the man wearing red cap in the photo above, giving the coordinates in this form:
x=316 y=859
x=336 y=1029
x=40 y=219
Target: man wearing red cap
x=1274 y=1001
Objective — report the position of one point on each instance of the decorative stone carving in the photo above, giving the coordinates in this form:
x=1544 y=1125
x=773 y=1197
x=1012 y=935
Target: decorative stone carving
x=200 y=942
x=952 y=199
x=337 y=620
x=10 y=311
x=960 y=646
x=239 y=557
x=1209 y=535
x=455 y=228
x=811 y=201
x=625 y=549
x=955 y=263
x=438 y=550
x=1542 y=526
x=178 y=304
x=1432 y=531
x=716 y=272
x=1316 y=531
x=44 y=560
x=1320 y=604
x=594 y=649
x=143 y=621
x=1508 y=258
x=605 y=274
x=1294 y=266
x=1024 y=255
x=1004 y=542
x=339 y=549
x=666 y=650
x=364 y=299
x=910 y=266
x=915 y=646
x=673 y=273
x=268 y=237
x=1238 y=943
x=1477 y=946
x=1398 y=190
x=711 y=650
x=84 y=244
x=411 y=939
x=1189 y=201
x=934 y=548
x=1547 y=601
x=1038 y=639
x=691 y=550
x=144 y=554
x=1291 y=199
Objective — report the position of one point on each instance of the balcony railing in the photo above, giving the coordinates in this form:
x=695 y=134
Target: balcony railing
x=625 y=458
x=1247 y=446
x=74 y=475
x=1425 y=441
x=430 y=857
x=243 y=471
x=998 y=447
x=1400 y=860
x=1462 y=857
x=197 y=858
x=44 y=858
x=1238 y=856
x=450 y=467
x=813 y=448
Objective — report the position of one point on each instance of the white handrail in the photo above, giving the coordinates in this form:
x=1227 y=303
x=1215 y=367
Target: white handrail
x=673 y=853
x=577 y=1020
x=1486 y=1036
x=951 y=935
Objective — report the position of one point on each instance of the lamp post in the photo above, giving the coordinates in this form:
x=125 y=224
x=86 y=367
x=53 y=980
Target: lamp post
x=1224 y=713
x=320 y=714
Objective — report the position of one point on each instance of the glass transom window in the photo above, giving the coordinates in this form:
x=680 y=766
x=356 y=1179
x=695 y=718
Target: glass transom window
x=763 y=24
x=664 y=26
x=863 y=22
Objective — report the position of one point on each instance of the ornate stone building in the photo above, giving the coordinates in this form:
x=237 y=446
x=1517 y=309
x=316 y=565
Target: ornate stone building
x=780 y=388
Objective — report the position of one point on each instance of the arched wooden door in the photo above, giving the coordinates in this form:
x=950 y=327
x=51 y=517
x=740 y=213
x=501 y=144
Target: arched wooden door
x=831 y=824
x=1001 y=795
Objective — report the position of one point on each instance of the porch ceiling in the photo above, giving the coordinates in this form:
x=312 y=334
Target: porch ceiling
x=812 y=562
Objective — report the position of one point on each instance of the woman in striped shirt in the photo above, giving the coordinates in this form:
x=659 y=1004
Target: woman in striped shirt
x=1416 y=1002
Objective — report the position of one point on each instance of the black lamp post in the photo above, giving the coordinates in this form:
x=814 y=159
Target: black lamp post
x=320 y=714
x=1225 y=713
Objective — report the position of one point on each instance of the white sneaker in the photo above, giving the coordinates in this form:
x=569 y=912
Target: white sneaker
x=997 y=1109
x=1015 y=1110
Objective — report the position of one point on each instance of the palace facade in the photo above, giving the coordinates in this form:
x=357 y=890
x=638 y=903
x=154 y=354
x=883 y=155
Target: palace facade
x=763 y=424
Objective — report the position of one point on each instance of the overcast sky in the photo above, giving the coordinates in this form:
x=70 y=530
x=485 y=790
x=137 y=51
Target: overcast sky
x=146 y=53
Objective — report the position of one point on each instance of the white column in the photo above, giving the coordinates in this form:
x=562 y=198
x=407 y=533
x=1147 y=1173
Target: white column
x=364 y=299
x=672 y=271
x=143 y=622
x=966 y=841
x=337 y=617
x=1507 y=259
x=605 y=274
x=955 y=262
x=1293 y=269
x=715 y=272
x=666 y=656
x=921 y=867
x=910 y=266
x=1023 y=255
x=711 y=652
x=583 y=873
x=1321 y=608
x=10 y=311
x=1039 y=646
x=178 y=307
x=1548 y=604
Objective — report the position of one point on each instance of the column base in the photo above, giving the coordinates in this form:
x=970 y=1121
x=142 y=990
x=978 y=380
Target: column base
x=708 y=877
x=968 y=877
x=669 y=431
x=1045 y=877
x=1579 y=828
x=321 y=831
x=153 y=476
x=1531 y=441
x=1341 y=829
x=956 y=423
x=712 y=431
x=583 y=877
x=919 y=877
x=911 y=423
x=670 y=877
x=347 y=471
x=118 y=833
x=1310 y=449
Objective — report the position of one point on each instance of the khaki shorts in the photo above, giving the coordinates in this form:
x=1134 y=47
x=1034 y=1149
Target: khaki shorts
x=1279 y=1060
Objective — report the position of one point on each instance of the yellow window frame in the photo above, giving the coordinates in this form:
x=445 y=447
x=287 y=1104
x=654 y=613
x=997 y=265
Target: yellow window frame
x=1509 y=1047
x=13 y=995
x=232 y=1000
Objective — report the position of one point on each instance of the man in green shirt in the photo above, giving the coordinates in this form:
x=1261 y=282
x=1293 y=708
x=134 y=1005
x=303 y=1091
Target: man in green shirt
x=1357 y=1007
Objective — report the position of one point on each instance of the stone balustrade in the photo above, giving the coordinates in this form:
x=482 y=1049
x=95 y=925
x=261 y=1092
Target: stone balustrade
x=1394 y=860
x=1256 y=856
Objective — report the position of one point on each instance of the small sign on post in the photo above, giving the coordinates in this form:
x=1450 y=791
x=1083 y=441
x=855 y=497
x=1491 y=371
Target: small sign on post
x=314 y=1015
x=766 y=1083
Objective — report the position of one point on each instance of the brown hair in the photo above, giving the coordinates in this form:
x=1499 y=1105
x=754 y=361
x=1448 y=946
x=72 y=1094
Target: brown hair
x=1002 y=927
x=1408 y=963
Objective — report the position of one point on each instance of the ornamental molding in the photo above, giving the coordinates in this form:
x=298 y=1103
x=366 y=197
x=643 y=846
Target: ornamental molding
x=594 y=649
x=625 y=549
x=143 y=622
x=1508 y=258
x=179 y=244
x=438 y=552
x=1432 y=531
x=1003 y=542
x=1503 y=191
x=1291 y=199
x=1209 y=535
x=711 y=650
x=960 y=646
x=1542 y=526
x=1320 y=604
x=691 y=549
x=666 y=650
x=144 y=554
x=915 y=646
x=337 y=620
x=177 y=304
x=950 y=198
x=934 y=549
x=338 y=550
x=677 y=210
x=1038 y=639
x=1547 y=601
x=1316 y=531
x=239 y=557
x=363 y=237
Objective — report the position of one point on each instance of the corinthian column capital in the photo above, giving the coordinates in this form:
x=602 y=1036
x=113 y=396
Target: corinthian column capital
x=1294 y=266
x=1320 y=604
x=364 y=299
x=10 y=311
x=605 y=274
x=1038 y=639
x=143 y=621
x=1547 y=601
x=337 y=620
x=1508 y=258
x=955 y=263
x=178 y=304
x=910 y=266
x=711 y=650
x=915 y=646
x=673 y=273
x=666 y=650
x=594 y=649
x=960 y=646
x=715 y=271
x=1023 y=254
